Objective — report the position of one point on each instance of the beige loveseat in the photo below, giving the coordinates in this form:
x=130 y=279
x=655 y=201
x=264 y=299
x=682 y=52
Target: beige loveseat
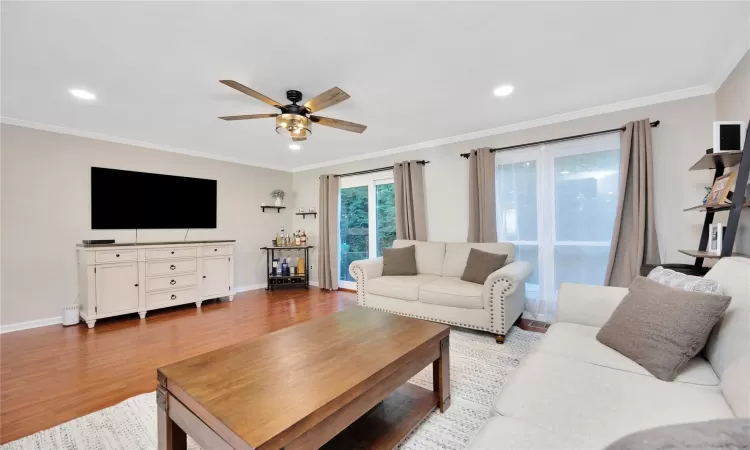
x=437 y=291
x=573 y=392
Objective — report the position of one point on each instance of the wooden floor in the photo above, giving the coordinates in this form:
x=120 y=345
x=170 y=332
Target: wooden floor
x=54 y=374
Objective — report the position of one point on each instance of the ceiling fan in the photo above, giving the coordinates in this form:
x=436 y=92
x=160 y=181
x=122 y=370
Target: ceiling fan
x=294 y=120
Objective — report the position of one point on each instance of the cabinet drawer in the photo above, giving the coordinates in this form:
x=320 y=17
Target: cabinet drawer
x=177 y=281
x=170 y=253
x=109 y=256
x=217 y=250
x=174 y=297
x=169 y=267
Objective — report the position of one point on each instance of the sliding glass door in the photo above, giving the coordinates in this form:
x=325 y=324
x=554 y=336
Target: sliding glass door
x=557 y=204
x=367 y=220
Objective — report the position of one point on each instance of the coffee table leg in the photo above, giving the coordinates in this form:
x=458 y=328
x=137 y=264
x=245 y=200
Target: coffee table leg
x=441 y=377
x=170 y=435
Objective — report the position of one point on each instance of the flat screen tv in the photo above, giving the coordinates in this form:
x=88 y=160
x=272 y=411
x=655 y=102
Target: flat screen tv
x=121 y=199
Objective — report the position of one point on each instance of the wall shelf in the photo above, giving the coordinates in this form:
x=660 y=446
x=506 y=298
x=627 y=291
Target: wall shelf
x=718 y=160
x=707 y=255
x=277 y=208
x=305 y=214
x=714 y=208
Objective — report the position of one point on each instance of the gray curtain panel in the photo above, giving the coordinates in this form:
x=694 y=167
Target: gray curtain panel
x=634 y=237
x=328 y=255
x=482 y=219
x=408 y=177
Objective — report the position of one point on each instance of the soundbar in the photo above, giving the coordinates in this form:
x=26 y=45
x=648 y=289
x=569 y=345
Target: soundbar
x=98 y=241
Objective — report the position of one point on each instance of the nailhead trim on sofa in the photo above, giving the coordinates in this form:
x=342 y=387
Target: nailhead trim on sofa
x=358 y=273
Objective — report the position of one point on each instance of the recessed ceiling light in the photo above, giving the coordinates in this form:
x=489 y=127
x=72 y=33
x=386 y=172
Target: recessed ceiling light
x=294 y=147
x=502 y=91
x=84 y=95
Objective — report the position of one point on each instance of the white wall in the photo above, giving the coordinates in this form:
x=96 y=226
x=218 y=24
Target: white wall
x=684 y=134
x=46 y=212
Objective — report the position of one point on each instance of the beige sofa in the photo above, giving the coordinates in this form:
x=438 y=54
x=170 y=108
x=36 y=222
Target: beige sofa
x=574 y=392
x=437 y=292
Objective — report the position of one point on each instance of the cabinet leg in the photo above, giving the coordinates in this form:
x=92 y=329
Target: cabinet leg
x=198 y=303
x=91 y=323
x=142 y=314
x=231 y=297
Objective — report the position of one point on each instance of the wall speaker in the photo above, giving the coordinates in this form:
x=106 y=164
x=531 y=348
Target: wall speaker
x=729 y=135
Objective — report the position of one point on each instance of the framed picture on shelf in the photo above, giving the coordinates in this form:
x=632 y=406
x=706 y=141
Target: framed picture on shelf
x=720 y=190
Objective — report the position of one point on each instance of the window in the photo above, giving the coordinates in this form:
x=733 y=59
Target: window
x=367 y=220
x=557 y=203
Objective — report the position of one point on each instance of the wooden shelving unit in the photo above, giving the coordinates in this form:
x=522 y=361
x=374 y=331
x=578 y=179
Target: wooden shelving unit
x=277 y=208
x=719 y=162
x=305 y=214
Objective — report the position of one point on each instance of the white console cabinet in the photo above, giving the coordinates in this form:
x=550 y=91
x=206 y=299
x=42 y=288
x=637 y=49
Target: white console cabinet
x=115 y=279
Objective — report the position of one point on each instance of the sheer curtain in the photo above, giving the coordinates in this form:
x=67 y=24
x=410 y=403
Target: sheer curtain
x=557 y=203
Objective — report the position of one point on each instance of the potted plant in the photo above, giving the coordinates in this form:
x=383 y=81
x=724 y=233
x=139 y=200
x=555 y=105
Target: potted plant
x=278 y=194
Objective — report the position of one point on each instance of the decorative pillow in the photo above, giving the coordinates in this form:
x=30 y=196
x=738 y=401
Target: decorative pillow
x=719 y=434
x=660 y=327
x=677 y=280
x=481 y=264
x=400 y=261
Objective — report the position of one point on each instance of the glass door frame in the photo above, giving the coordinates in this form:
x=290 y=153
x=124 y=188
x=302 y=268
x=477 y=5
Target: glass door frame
x=370 y=180
x=544 y=155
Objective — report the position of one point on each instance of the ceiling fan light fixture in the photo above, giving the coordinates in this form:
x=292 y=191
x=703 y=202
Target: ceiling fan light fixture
x=293 y=125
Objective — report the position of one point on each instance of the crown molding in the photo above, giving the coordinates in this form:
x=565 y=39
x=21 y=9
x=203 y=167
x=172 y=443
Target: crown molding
x=132 y=142
x=694 y=91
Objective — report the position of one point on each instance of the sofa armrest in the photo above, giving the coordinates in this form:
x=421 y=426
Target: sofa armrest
x=585 y=304
x=363 y=270
x=504 y=295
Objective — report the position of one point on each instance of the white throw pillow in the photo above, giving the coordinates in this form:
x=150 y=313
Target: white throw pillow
x=690 y=283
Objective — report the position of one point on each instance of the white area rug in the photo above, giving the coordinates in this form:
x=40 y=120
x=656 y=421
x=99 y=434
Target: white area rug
x=479 y=367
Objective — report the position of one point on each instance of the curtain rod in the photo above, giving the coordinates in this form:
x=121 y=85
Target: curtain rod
x=380 y=169
x=567 y=138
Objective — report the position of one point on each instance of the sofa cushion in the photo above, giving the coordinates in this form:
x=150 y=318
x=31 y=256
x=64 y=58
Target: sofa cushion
x=401 y=287
x=729 y=339
x=480 y=265
x=579 y=342
x=735 y=385
x=449 y=291
x=456 y=255
x=429 y=255
x=506 y=432
x=662 y=328
x=569 y=396
x=717 y=434
x=399 y=261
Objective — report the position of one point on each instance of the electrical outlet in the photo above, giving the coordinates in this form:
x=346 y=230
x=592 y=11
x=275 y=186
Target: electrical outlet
x=310 y=266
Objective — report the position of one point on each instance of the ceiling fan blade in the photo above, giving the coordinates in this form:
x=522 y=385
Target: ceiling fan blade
x=246 y=90
x=326 y=99
x=298 y=139
x=340 y=124
x=248 y=116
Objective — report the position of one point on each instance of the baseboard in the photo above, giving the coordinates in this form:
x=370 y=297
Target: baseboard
x=313 y=283
x=251 y=287
x=30 y=324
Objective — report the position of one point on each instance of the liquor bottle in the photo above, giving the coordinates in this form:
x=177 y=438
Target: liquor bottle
x=280 y=237
x=303 y=239
x=275 y=267
x=284 y=268
x=297 y=238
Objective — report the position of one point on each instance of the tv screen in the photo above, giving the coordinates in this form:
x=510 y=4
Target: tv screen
x=121 y=199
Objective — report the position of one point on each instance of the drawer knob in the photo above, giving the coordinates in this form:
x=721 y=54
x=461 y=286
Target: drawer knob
x=204 y=276
x=117 y=255
x=173 y=297
x=172 y=267
x=173 y=282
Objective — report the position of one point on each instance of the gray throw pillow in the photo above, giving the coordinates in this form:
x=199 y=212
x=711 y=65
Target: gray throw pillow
x=481 y=264
x=399 y=261
x=724 y=434
x=660 y=327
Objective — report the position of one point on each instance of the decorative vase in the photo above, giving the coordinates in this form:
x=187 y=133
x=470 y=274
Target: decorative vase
x=277 y=202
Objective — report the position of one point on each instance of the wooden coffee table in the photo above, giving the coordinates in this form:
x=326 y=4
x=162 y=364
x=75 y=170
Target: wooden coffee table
x=339 y=381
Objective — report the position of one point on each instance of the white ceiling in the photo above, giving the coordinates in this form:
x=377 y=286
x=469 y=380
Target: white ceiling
x=416 y=71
